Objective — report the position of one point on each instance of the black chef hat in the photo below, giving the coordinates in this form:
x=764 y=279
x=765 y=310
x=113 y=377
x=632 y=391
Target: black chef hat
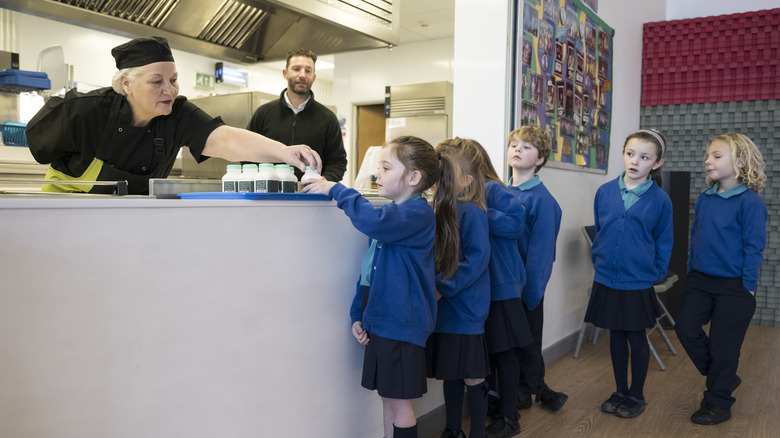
x=142 y=51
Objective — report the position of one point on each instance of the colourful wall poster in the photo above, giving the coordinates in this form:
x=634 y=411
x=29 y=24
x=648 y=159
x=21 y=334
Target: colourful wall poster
x=564 y=80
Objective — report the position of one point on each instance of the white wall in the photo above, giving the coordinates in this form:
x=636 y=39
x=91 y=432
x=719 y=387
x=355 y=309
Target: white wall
x=677 y=9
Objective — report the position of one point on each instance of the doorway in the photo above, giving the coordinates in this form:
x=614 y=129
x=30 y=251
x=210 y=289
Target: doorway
x=370 y=130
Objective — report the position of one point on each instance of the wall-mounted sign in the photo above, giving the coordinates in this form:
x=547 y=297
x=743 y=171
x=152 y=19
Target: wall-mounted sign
x=204 y=81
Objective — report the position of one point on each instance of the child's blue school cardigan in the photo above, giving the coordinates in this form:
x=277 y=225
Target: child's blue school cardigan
x=465 y=300
x=728 y=236
x=537 y=244
x=632 y=247
x=402 y=295
x=506 y=223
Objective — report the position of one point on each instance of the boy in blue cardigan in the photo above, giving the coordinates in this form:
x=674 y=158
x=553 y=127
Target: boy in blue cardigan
x=528 y=149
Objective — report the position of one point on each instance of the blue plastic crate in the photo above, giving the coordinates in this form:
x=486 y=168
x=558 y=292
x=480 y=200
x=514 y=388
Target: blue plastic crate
x=13 y=133
x=17 y=81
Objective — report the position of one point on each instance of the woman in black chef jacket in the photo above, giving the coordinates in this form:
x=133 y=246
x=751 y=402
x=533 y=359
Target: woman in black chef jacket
x=133 y=130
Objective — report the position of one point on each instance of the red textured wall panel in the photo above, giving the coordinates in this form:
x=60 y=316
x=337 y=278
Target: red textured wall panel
x=712 y=59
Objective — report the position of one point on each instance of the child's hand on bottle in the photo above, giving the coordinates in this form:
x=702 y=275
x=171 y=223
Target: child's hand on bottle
x=360 y=334
x=321 y=187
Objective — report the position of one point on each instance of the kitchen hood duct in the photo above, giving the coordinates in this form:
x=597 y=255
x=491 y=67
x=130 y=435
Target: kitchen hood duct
x=245 y=31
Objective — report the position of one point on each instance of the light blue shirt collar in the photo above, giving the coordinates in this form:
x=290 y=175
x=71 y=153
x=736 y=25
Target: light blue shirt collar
x=734 y=191
x=528 y=185
x=630 y=197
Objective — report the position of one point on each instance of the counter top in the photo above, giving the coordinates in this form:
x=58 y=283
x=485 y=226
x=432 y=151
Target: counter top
x=37 y=201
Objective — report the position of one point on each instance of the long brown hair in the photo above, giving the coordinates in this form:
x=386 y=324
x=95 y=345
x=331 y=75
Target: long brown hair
x=458 y=161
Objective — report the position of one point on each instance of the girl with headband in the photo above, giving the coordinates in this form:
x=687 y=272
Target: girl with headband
x=630 y=252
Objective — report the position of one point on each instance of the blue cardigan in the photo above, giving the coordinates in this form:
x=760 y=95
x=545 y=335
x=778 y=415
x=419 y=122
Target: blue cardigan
x=506 y=222
x=537 y=245
x=465 y=301
x=632 y=247
x=402 y=295
x=728 y=236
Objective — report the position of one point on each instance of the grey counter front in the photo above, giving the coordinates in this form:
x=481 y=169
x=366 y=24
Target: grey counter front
x=172 y=318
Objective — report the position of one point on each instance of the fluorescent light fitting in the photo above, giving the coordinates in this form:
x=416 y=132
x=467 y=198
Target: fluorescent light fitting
x=230 y=75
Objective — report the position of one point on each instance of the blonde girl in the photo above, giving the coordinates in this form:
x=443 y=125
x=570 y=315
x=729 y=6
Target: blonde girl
x=728 y=238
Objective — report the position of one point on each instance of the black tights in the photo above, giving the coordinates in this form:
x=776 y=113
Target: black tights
x=619 y=341
x=477 y=399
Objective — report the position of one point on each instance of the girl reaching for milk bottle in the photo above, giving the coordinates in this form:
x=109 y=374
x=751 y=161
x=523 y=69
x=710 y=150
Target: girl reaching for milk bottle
x=630 y=252
x=394 y=309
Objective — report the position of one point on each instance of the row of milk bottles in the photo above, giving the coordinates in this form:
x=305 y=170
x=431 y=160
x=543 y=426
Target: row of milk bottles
x=264 y=178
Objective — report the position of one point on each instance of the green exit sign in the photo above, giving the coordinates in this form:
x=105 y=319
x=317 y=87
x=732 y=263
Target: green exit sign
x=204 y=81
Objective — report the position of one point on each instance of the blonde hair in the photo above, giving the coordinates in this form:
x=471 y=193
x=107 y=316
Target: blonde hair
x=116 y=81
x=483 y=165
x=743 y=149
x=536 y=137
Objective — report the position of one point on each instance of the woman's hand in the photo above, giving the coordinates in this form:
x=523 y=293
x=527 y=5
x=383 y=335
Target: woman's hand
x=301 y=156
x=234 y=144
x=360 y=334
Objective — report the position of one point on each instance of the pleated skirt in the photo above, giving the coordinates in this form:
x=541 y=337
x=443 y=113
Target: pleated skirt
x=616 y=309
x=450 y=356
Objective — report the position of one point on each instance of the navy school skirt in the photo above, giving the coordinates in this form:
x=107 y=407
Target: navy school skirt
x=450 y=356
x=396 y=369
x=616 y=309
x=507 y=326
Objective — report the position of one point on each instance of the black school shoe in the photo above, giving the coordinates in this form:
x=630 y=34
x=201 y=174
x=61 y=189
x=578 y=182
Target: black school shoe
x=492 y=409
x=502 y=427
x=710 y=414
x=612 y=403
x=524 y=401
x=449 y=433
x=631 y=407
x=552 y=400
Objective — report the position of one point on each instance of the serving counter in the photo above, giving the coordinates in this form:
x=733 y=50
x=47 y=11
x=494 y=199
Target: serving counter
x=142 y=317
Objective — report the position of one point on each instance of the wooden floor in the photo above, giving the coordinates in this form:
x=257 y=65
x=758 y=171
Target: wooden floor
x=672 y=395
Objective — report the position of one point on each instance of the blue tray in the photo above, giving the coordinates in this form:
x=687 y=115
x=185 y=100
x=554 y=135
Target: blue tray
x=255 y=196
x=17 y=81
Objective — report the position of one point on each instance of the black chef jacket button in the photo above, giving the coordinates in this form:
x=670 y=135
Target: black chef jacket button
x=120 y=129
x=144 y=169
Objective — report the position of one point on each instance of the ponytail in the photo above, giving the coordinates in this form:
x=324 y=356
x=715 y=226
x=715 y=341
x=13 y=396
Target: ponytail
x=445 y=204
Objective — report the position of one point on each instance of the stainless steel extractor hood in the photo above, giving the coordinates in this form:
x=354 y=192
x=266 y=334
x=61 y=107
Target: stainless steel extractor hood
x=246 y=31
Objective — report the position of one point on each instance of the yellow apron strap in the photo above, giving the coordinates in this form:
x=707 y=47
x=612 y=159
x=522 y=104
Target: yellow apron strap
x=91 y=174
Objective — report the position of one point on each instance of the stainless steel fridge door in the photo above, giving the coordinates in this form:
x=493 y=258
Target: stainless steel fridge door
x=432 y=128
